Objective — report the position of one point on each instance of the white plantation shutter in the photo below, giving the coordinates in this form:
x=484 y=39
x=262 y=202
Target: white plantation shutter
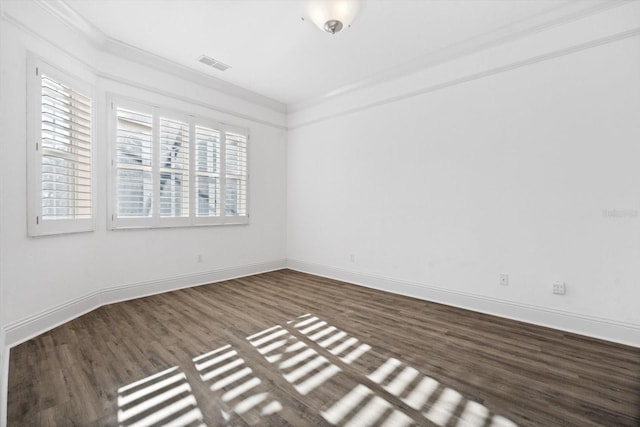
x=61 y=168
x=170 y=169
x=174 y=168
x=207 y=172
x=133 y=163
x=66 y=152
x=235 y=174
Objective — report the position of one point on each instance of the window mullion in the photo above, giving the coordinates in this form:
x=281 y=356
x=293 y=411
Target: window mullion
x=155 y=168
x=223 y=174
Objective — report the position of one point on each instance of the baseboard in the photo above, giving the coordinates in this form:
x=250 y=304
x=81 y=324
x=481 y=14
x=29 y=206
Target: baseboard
x=27 y=328
x=596 y=327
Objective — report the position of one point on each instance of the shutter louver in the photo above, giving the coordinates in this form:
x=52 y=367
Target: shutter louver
x=134 y=163
x=208 y=196
x=65 y=152
x=174 y=168
x=235 y=174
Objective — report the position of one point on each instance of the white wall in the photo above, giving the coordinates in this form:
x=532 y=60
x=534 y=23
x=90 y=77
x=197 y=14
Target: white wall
x=480 y=168
x=54 y=278
x=498 y=162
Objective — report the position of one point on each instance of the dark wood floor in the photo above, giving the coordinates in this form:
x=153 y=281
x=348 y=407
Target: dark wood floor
x=287 y=348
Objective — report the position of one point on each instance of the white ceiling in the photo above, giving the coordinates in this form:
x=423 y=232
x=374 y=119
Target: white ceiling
x=273 y=52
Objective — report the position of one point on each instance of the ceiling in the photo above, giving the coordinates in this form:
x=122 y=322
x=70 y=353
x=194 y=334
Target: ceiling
x=273 y=52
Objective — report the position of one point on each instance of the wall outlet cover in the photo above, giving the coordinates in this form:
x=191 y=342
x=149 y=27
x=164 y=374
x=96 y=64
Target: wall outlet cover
x=504 y=279
x=559 y=288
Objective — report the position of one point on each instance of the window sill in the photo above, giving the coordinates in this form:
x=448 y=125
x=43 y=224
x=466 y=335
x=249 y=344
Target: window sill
x=146 y=226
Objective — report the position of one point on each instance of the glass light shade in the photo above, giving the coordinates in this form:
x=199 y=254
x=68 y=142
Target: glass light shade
x=323 y=11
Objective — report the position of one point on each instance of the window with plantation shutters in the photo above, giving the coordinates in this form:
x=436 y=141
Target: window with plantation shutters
x=61 y=161
x=174 y=168
x=134 y=163
x=235 y=174
x=207 y=172
x=170 y=169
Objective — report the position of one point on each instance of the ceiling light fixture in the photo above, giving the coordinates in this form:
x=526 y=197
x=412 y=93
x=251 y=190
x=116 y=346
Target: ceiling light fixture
x=333 y=15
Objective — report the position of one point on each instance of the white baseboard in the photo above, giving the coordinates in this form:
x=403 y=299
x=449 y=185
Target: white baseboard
x=596 y=327
x=27 y=328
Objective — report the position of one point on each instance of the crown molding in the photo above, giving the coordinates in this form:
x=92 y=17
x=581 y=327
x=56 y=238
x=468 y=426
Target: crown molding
x=187 y=100
x=634 y=32
x=104 y=43
x=143 y=57
x=74 y=20
x=101 y=74
x=560 y=15
x=538 y=23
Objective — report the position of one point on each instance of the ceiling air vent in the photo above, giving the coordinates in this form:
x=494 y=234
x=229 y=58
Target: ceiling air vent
x=207 y=60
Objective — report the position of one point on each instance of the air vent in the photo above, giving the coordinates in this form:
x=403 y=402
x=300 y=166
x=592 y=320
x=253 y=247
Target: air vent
x=207 y=60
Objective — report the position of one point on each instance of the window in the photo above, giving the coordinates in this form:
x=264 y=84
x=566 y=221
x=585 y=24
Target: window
x=60 y=152
x=208 y=172
x=170 y=169
x=134 y=160
x=174 y=168
x=236 y=174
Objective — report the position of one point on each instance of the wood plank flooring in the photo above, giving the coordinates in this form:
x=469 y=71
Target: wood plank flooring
x=287 y=348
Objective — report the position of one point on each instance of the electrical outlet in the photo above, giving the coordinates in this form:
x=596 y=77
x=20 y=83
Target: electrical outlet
x=504 y=279
x=559 y=288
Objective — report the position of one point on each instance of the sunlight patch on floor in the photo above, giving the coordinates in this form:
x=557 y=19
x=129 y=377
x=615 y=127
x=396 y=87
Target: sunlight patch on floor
x=234 y=383
x=166 y=398
x=163 y=398
x=300 y=365
x=439 y=404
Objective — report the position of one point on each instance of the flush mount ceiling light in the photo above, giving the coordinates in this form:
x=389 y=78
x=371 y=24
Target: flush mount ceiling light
x=332 y=15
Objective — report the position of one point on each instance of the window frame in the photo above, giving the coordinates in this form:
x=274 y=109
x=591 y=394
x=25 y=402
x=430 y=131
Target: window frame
x=114 y=102
x=36 y=224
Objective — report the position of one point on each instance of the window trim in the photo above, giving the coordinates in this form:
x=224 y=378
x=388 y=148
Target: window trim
x=114 y=102
x=36 y=225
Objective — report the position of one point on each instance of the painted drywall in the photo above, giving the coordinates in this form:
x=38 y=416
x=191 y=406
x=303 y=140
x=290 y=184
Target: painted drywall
x=43 y=273
x=450 y=177
x=421 y=189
